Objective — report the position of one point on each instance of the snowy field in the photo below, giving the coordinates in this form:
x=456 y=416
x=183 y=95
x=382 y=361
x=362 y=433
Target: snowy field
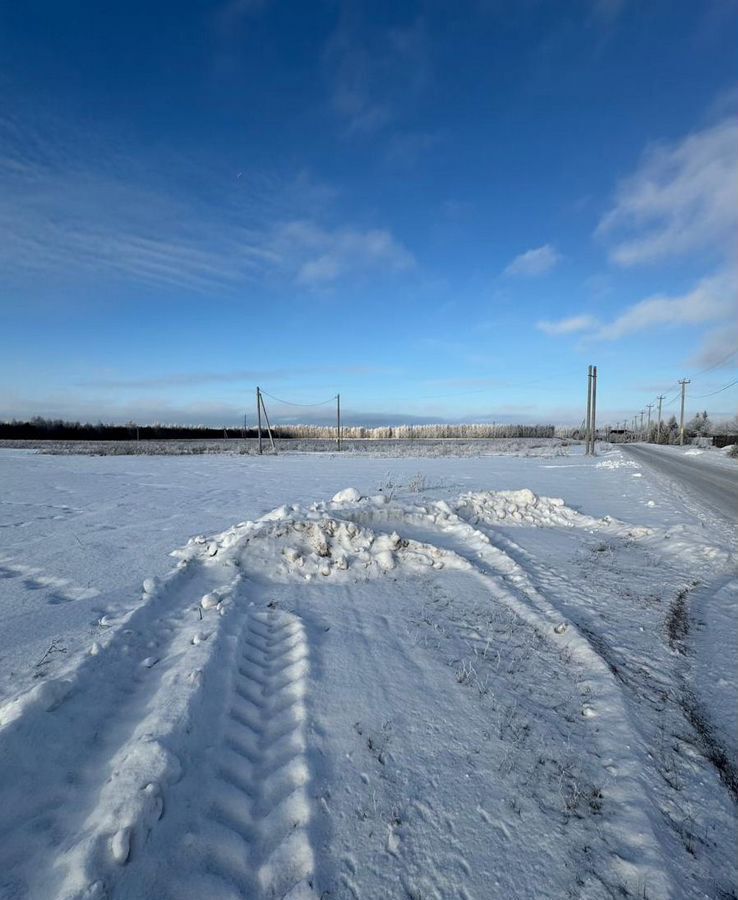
x=347 y=676
x=397 y=447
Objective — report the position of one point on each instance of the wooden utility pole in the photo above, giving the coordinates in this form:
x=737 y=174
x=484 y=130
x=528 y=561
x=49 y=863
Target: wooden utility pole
x=594 y=410
x=589 y=412
x=258 y=416
x=338 y=420
x=649 y=407
x=684 y=382
x=658 y=427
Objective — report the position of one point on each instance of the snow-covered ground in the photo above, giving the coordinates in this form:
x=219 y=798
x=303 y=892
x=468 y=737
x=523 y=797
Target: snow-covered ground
x=461 y=678
x=375 y=447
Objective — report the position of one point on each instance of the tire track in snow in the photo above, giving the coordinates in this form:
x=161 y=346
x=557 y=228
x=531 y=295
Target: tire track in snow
x=102 y=702
x=258 y=798
x=652 y=677
x=637 y=851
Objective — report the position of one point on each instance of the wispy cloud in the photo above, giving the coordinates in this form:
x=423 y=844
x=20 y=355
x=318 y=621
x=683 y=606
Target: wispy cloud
x=75 y=212
x=534 y=262
x=405 y=148
x=373 y=73
x=679 y=200
x=572 y=325
x=235 y=376
x=321 y=257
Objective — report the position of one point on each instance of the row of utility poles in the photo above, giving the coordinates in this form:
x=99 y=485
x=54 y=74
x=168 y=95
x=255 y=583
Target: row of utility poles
x=261 y=409
x=649 y=406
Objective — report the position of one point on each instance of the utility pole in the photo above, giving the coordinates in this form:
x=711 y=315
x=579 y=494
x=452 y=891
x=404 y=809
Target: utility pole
x=338 y=420
x=258 y=416
x=684 y=382
x=594 y=409
x=589 y=412
x=658 y=427
x=640 y=430
x=649 y=406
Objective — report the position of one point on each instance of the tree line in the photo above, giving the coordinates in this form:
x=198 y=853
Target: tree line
x=39 y=428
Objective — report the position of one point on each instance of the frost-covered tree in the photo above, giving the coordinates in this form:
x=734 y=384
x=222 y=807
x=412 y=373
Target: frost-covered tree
x=699 y=426
x=670 y=431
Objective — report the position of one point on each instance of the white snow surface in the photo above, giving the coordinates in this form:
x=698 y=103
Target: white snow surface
x=459 y=678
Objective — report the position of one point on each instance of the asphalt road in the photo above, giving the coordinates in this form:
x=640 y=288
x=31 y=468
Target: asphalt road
x=714 y=486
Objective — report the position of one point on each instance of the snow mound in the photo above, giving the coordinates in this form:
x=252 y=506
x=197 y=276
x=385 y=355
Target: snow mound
x=617 y=464
x=521 y=507
x=314 y=544
x=347 y=495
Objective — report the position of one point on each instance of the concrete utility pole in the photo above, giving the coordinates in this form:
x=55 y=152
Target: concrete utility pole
x=258 y=417
x=589 y=412
x=338 y=420
x=658 y=427
x=684 y=382
x=649 y=406
x=594 y=409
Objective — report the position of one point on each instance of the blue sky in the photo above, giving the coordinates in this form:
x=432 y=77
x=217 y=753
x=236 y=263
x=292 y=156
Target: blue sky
x=443 y=211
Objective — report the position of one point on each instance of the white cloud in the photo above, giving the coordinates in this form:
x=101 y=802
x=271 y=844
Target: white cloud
x=533 y=262
x=320 y=257
x=572 y=325
x=74 y=213
x=711 y=300
x=681 y=199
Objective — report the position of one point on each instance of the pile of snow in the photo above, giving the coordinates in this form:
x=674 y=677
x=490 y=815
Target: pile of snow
x=521 y=507
x=524 y=508
x=617 y=464
x=347 y=495
x=294 y=543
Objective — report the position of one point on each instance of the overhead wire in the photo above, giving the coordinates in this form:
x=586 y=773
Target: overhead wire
x=290 y=403
x=717 y=364
x=718 y=391
x=709 y=368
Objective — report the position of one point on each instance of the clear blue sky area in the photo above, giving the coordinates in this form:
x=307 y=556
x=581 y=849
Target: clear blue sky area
x=441 y=210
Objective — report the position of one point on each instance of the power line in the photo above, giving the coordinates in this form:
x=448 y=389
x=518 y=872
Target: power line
x=717 y=364
x=289 y=403
x=718 y=391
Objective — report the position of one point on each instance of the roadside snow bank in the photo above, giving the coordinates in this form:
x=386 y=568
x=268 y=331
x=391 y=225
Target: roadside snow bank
x=523 y=507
